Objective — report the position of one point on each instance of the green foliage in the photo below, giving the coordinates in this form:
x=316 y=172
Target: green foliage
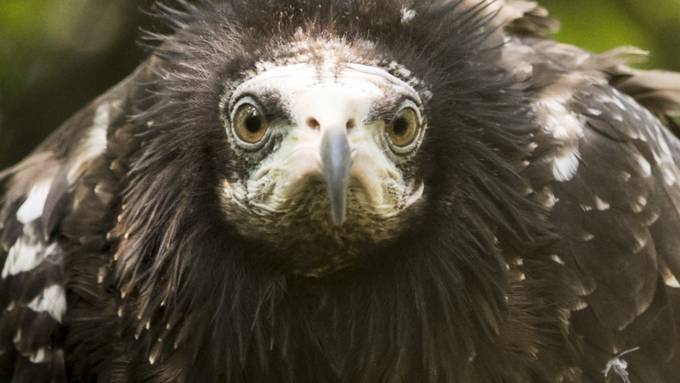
x=599 y=25
x=55 y=55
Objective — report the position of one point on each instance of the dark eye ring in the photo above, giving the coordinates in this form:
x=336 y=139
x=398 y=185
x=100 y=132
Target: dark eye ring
x=404 y=128
x=249 y=123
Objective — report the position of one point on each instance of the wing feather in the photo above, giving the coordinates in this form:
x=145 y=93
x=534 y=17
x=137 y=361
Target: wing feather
x=32 y=291
x=619 y=219
x=56 y=201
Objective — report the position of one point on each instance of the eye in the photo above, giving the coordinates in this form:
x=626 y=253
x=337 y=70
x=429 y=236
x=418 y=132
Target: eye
x=249 y=123
x=404 y=128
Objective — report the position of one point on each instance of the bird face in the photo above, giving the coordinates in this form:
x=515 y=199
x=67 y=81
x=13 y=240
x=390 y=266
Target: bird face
x=325 y=148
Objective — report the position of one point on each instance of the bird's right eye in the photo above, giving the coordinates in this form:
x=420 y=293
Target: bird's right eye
x=250 y=124
x=404 y=129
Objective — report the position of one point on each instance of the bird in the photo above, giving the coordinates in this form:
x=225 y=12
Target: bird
x=357 y=191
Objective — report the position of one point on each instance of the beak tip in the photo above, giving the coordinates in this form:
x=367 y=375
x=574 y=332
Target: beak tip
x=338 y=218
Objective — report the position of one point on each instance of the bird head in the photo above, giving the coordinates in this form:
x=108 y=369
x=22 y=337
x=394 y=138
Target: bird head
x=324 y=146
x=324 y=133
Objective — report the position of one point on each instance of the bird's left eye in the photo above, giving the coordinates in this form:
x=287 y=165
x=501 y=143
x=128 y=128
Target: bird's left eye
x=404 y=128
x=250 y=125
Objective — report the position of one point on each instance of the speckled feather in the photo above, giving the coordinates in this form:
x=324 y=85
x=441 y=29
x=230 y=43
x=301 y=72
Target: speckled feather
x=546 y=244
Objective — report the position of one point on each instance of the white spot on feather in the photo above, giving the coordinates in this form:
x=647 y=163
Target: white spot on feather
x=561 y=123
x=25 y=255
x=639 y=204
x=668 y=278
x=95 y=142
x=625 y=176
x=407 y=15
x=39 y=356
x=653 y=218
x=97 y=137
x=645 y=166
x=601 y=204
x=34 y=205
x=557 y=259
x=640 y=243
x=533 y=146
x=51 y=300
x=587 y=237
x=567 y=128
x=618 y=103
x=671 y=281
x=547 y=198
x=668 y=176
x=594 y=112
x=565 y=167
x=101 y=274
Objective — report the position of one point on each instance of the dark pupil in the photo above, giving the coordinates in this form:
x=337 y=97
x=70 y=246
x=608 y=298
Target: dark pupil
x=253 y=123
x=400 y=126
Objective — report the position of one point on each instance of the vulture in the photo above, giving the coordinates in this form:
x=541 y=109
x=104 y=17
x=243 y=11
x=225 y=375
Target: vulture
x=352 y=191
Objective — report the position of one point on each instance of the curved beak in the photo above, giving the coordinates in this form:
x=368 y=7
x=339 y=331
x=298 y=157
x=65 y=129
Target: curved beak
x=336 y=162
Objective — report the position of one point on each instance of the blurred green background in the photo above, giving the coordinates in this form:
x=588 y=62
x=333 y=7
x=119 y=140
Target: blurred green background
x=56 y=55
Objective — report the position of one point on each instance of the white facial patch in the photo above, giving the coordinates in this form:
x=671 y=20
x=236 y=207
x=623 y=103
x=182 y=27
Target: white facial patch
x=318 y=96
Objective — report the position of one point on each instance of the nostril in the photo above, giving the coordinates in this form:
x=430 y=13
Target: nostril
x=313 y=123
x=351 y=124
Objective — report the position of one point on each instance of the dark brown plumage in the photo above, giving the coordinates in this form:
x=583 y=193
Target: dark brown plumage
x=543 y=242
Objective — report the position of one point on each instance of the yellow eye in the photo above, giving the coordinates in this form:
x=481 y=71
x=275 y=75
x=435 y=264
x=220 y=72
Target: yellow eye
x=249 y=123
x=404 y=128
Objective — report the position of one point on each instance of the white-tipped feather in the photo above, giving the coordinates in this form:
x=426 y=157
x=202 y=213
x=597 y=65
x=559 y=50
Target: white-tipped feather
x=25 y=255
x=51 y=300
x=34 y=205
x=565 y=167
x=39 y=356
x=95 y=142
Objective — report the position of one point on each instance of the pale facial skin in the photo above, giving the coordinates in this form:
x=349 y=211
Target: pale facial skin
x=328 y=138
